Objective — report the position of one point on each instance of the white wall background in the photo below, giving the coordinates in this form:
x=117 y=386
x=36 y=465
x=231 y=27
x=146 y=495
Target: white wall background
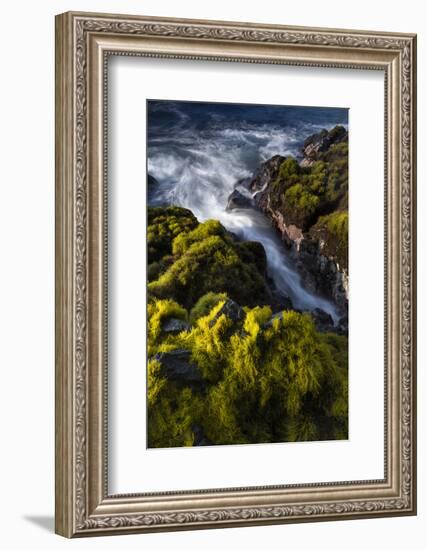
x=27 y=274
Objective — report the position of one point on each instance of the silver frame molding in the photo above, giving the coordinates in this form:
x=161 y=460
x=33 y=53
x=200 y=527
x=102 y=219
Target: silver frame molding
x=83 y=43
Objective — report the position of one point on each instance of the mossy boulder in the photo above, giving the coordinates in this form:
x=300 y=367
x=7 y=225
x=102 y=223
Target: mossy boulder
x=204 y=305
x=318 y=143
x=164 y=224
x=332 y=233
x=308 y=204
x=204 y=258
x=302 y=193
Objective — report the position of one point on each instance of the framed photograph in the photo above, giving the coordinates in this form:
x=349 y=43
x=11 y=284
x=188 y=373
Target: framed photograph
x=235 y=274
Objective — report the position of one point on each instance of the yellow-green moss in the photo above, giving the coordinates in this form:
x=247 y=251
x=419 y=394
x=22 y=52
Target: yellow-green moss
x=208 y=259
x=333 y=231
x=266 y=381
x=303 y=193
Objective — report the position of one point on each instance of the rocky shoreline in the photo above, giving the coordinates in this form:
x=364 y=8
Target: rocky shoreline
x=307 y=202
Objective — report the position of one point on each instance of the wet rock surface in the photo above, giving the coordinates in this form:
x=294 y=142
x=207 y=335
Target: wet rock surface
x=321 y=274
x=238 y=200
x=177 y=367
x=321 y=142
x=175 y=326
x=322 y=320
x=319 y=253
x=267 y=172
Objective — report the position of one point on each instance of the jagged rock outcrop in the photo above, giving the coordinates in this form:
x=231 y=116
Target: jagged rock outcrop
x=238 y=200
x=308 y=204
x=290 y=232
x=279 y=302
x=320 y=142
x=322 y=320
x=243 y=182
x=266 y=173
x=321 y=274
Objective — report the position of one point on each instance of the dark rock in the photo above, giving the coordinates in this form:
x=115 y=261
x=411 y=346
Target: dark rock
x=320 y=142
x=343 y=325
x=232 y=310
x=279 y=302
x=322 y=320
x=319 y=256
x=175 y=326
x=291 y=234
x=243 y=182
x=333 y=244
x=322 y=271
x=238 y=200
x=200 y=439
x=267 y=172
x=320 y=274
x=177 y=367
x=151 y=180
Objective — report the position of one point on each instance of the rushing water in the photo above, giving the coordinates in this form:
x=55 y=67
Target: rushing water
x=198 y=152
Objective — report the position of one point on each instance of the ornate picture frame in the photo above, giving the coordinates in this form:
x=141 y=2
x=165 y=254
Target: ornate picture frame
x=84 y=42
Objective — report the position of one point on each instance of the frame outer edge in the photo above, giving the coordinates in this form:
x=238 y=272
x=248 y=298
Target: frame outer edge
x=64 y=237
x=233 y=24
x=72 y=517
x=413 y=159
